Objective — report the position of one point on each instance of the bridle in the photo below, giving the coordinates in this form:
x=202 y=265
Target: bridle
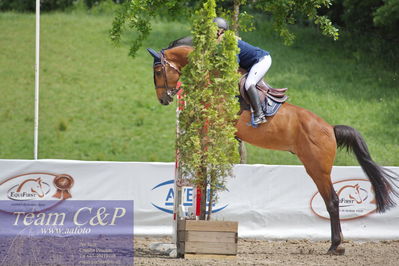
x=163 y=62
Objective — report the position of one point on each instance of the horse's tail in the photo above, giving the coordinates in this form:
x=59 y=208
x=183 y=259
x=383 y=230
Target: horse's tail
x=381 y=179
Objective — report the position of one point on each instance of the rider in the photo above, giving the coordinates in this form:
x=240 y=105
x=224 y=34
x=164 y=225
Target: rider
x=257 y=62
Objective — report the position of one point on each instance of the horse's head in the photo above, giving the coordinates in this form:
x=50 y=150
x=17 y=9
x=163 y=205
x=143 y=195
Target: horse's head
x=355 y=195
x=350 y=192
x=166 y=76
x=36 y=187
x=32 y=185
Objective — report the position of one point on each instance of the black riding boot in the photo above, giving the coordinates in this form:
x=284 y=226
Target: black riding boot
x=259 y=116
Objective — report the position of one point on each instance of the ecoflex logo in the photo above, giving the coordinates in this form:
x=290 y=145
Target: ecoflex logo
x=356 y=200
x=164 y=196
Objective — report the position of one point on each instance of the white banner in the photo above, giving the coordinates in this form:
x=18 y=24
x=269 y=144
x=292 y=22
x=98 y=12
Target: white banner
x=272 y=202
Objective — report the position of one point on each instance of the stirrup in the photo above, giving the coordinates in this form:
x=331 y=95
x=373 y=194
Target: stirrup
x=259 y=119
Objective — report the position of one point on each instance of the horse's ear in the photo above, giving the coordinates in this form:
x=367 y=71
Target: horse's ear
x=154 y=54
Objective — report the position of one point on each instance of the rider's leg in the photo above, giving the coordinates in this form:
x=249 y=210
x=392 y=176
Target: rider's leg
x=259 y=115
x=256 y=73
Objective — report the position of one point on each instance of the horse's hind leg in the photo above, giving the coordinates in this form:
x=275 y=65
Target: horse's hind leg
x=331 y=200
x=318 y=163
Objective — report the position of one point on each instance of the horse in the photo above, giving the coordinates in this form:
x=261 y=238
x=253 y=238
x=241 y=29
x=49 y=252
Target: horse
x=296 y=130
x=32 y=186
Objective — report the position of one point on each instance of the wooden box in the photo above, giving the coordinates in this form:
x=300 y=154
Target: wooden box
x=210 y=239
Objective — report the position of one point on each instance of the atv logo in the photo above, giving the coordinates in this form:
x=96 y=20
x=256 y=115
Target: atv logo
x=165 y=194
x=356 y=200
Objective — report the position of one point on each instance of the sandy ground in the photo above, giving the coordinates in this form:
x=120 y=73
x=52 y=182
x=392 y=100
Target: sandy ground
x=292 y=252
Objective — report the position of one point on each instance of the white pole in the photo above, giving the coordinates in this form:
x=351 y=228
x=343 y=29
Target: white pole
x=36 y=130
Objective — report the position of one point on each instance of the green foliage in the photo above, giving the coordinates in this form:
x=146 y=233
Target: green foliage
x=18 y=5
x=30 y=5
x=207 y=146
x=358 y=14
x=97 y=6
x=387 y=14
x=137 y=15
x=376 y=18
x=245 y=21
x=103 y=8
x=91 y=3
x=284 y=13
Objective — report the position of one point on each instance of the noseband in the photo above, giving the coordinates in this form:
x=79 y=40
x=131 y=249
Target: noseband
x=169 y=91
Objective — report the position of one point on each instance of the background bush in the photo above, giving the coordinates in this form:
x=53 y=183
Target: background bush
x=48 y=5
x=30 y=5
x=377 y=17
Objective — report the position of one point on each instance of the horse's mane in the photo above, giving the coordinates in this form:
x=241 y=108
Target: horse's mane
x=184 y=41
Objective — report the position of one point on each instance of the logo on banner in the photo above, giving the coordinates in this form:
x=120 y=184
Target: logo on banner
x=76 y=232
x=165 y=194
x=356 y=200
x=63 y=183
x=37 y=186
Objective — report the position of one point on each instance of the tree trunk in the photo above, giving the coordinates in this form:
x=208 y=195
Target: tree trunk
x=203 y=194
x=236 y=14
x=243 y=152
x=210 y=198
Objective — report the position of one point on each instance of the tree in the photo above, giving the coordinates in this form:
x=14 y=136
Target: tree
x=138 y=14
x=207 y=147
x=388 y=14
x=373 y=18
x=284 y=12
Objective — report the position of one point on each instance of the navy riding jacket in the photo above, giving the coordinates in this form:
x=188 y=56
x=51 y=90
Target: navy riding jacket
x=249 y=55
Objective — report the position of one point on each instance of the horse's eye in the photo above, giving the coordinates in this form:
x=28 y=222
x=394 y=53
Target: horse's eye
x=158 y=73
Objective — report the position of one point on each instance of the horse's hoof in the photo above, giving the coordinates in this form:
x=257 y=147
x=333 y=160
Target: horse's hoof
x=337 y=251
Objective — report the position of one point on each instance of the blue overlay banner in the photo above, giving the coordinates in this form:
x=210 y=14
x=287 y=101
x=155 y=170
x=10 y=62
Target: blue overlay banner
x=67 y=232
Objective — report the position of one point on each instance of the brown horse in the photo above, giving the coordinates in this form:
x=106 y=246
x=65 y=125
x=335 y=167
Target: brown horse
x=298 y=131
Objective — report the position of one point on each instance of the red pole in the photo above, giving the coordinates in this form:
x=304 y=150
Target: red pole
x=198 y=202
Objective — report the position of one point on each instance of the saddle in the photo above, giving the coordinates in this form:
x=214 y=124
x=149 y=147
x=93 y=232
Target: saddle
x=265 y=92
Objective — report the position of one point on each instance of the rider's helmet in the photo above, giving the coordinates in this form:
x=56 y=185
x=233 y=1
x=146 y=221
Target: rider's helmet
x=221 y=22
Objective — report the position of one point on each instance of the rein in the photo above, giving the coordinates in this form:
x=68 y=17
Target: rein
x=170 y=91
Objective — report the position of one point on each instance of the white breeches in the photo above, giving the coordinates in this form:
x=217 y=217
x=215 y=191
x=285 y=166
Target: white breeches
x=258 y=71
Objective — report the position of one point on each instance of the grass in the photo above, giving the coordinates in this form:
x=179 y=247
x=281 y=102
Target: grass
x=98 y=104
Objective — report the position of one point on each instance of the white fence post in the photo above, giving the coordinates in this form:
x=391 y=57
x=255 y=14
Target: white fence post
x=36 y=123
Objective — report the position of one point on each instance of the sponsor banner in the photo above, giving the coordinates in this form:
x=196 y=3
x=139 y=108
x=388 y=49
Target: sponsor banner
x=273 y=202
x=66 y=232
x=356 y=200
x=165 y=204
x=34 y=186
